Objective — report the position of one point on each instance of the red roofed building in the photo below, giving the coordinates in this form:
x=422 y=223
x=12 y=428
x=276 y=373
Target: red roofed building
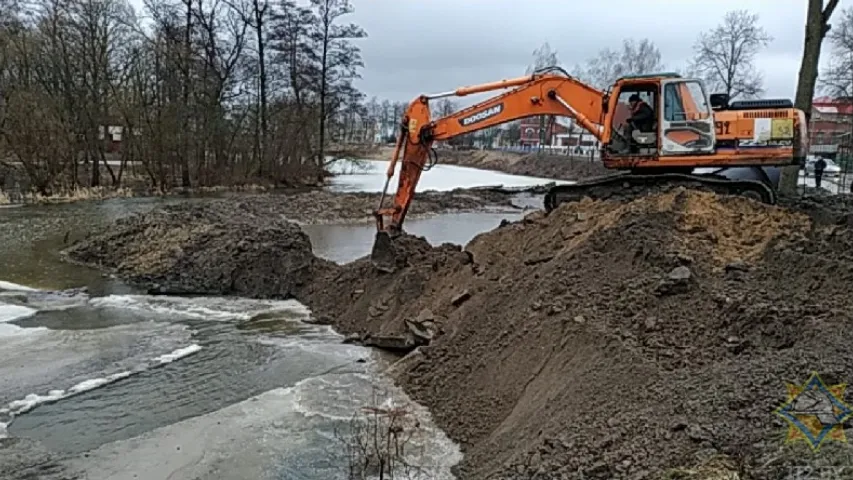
x=830 y=126
x=531 y=126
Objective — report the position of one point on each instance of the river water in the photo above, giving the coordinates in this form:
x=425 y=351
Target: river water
x=112 y=384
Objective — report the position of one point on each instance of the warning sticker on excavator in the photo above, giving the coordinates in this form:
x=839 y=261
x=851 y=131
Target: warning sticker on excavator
x=413 y=126
x=782 y=129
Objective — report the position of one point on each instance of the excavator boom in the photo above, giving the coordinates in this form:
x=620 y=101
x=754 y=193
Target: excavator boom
x=537 y=94
x=684 y=133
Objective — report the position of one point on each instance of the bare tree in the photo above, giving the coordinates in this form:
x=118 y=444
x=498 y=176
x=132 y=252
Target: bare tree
x=817 y=26
x=205 y=93
x=543 y=57
x=837 y=79
x=339 y=59
x=634 y=58
x=725 y=56
x=445 y=107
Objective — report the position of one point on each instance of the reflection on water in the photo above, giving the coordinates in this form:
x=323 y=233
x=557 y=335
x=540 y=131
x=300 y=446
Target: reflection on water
x=344 y=243
x=32 y=236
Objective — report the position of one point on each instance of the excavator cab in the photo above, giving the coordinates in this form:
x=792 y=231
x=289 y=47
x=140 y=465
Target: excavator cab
x=626 y=139
x=683 y=119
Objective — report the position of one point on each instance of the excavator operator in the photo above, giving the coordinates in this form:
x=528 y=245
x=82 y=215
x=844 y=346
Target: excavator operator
x=642 y=115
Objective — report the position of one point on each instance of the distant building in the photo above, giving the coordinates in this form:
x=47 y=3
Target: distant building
x=532 y=126
x=115 y=133
x=830 y=126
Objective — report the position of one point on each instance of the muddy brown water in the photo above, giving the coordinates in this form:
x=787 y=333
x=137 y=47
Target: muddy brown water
x=117 y=384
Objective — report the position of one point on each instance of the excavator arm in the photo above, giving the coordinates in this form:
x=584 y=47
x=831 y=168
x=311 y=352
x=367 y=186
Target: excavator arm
x=542 y=93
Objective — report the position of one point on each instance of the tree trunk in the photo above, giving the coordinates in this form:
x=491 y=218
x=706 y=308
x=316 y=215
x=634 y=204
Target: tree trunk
x=324 y=66
x=262 y=80
x=817 y=25
x=185 y=154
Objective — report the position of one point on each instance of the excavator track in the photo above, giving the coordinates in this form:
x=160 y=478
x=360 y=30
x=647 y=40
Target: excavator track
x=635 y=185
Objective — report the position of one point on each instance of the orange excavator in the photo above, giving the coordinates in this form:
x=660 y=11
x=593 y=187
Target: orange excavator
x=741 y=145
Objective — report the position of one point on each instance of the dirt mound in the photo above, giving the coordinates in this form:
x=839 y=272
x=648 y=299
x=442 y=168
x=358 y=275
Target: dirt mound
x=544 y=165
x=559 y=167
x=420 y=268
x=619 y=340
x=222 y=248
x=246 y=244
x=322 y=206
x=609 y=339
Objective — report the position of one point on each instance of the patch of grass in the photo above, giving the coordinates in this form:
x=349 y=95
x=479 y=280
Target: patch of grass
x=79 y=194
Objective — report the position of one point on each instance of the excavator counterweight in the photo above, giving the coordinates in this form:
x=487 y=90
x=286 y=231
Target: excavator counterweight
x=652 y=130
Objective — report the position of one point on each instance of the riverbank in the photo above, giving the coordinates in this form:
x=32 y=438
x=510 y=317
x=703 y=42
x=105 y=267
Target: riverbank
x=133 y=181
x=535 y=164
x=669 y=297
x=169 y=249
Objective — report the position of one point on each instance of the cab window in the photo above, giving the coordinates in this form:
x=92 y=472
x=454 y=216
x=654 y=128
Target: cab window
x=684 y=101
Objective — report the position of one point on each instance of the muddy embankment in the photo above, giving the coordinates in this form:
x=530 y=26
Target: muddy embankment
x=543 y=165
x=650 y=338
x=248 y=245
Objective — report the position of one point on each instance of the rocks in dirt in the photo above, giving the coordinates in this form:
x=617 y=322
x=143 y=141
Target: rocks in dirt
x=423 y=328
x=408 y=362
x=461 y=298
x=737 y=266
x=676 y=281
x=553 y=367
x=392 y=343
x=578 y=366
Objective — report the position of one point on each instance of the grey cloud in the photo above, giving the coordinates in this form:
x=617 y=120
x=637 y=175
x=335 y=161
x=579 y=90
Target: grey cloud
x=417 y=46
x=428 y=46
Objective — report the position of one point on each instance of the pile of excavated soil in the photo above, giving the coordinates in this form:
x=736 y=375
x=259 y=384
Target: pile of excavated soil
x=323 y=206
x=618 y=339
x=221 y=248
x=246 y=245
x=559 y=167
x=610 y=339
x=544 y=165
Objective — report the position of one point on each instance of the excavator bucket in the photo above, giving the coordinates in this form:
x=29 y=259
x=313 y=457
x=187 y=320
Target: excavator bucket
x=383 y=256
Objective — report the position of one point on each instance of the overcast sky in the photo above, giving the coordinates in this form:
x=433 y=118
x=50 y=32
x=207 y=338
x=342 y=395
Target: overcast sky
x=418 y=46
x=423 y=46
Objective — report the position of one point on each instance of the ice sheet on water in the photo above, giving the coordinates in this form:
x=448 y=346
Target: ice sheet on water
x=177 y=354
x=33 y=400
x=14 y=295
x=440 y=178
x=203 y=308
x=268 y=436
x=15 y=287
x=61 y=358
x=9 y=313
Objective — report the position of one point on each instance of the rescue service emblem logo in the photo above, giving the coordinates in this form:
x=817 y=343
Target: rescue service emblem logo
x=815 y=412
x=481 y=115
